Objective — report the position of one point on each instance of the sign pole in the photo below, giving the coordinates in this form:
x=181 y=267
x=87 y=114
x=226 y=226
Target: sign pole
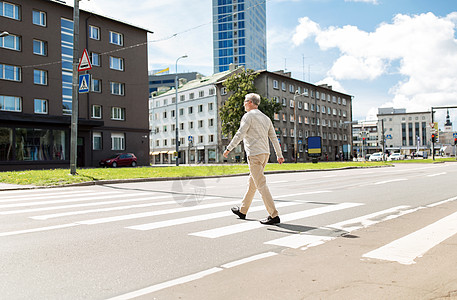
x=75 y=87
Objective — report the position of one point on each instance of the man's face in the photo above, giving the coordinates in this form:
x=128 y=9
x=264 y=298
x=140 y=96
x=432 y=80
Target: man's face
x=248 y=104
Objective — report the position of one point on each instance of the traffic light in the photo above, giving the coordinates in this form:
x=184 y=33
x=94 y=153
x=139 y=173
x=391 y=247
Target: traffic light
x=364 y=141
x=433 y=138
x=455 y=141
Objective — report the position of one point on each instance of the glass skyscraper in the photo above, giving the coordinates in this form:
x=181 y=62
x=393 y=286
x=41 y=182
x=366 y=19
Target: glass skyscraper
x=239 y=34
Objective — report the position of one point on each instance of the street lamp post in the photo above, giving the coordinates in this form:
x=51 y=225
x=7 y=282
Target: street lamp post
x=176 y=110
x=74 y=100
x=295 y=125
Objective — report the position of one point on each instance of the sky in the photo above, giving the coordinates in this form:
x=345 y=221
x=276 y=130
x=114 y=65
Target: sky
x=384 y=53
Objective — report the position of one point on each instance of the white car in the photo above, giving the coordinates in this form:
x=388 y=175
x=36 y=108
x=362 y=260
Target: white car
x=376 y=156
x=396 y=156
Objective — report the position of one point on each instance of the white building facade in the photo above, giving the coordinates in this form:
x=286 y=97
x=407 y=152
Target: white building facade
x=197 y=115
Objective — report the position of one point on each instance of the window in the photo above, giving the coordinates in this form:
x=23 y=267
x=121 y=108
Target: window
x=40 y=106
x=181 y=111
x=164 y=114
x=96 y=85
x=306 y=105
x=10 y=103
x=95 y=59
x=200 y=123
x=210 y=106
x=190 y=110
x=40 y=77
x=9 y=10
x=211 y=92
x=117 y=113
x=276 y=116
x=11 y=41
x=191 y=125
x=211 y=138
x=200 y=108
x=116 y=38
x=201 y=94
x=291 y=88
x=9 y=72
x=117 y=88
x=191 y=96
x=181 y=126
x=275 y=85
x=116 y=63
x=39 y=18
x=223 y=91
x=299 y=105
x=94 y=32
x=201 y=139
x=284 y=102
x=117 y=141
x=283 y=85
x=291 y=103
x=210 y=122
x=182 y=98
x=96 y=111
x=97 y=141
x=39 y=47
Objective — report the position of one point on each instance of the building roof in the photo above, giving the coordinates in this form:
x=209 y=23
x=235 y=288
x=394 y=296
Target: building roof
x=199 y=82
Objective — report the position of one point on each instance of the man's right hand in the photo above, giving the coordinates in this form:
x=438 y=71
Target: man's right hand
x=281 y=160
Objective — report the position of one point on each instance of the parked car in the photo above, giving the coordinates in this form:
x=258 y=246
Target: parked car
x=376 y=156
x=120 y=159
x=396 y=156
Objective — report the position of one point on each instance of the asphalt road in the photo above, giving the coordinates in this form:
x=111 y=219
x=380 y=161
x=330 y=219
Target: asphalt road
x=137 y=239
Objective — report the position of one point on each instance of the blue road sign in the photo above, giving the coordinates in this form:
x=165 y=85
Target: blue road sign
x=455 y=134
x=389 y=136
x=190 y=138
x=84 y=81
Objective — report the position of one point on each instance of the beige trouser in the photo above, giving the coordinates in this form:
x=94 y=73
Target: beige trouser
x=258 y=181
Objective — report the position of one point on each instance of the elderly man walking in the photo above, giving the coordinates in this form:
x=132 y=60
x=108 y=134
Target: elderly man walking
x=255 y=130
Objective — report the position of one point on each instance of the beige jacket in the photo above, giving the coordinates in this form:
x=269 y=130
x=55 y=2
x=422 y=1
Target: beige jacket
x=255 y=129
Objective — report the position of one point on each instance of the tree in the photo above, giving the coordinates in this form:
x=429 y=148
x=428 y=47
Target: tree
x=240 y=84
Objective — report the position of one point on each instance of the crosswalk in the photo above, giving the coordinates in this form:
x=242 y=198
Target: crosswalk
x=143 y=211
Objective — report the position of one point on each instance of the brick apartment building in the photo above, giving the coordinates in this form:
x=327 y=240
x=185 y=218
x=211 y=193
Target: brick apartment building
x=36 y=83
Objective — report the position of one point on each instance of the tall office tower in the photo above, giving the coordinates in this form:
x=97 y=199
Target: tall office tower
x=239 y=34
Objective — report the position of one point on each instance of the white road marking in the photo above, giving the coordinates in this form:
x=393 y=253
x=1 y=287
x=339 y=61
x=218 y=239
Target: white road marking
x=280 y=181
x=442 y=202
x=167 y=284
x=198 y=218
x=248 y=259
x=17 y=232
x=157 y=213
x=50 y=196
x=437 y=174
x=365 y=221
x=389 y=181
x=310 y=240
x=406 y=249
x=81 y=212
x=106 y=195
x=233 y=229
x=300 y=194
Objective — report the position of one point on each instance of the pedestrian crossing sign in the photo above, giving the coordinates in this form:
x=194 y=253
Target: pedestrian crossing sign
x=84 y=81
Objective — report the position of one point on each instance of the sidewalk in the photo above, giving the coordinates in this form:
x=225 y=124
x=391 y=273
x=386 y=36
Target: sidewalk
x=337 y=270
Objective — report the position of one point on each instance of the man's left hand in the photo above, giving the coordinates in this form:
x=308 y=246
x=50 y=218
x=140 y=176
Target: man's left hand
x=226 y=153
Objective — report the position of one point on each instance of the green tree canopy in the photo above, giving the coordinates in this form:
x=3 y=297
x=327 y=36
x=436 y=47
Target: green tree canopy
x=240 y=84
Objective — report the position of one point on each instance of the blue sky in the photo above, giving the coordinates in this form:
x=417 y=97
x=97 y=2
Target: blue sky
x=400 y=53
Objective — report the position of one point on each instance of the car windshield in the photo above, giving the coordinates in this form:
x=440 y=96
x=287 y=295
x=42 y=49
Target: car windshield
x=113 y=156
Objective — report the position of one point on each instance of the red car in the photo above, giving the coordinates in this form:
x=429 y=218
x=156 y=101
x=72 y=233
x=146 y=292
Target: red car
x=118 y=160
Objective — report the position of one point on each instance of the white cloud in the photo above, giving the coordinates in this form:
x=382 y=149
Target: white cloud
x=422 y=49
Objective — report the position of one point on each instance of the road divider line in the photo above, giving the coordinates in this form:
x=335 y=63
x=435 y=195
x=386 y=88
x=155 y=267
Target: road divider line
x=437 y=174
x=406 y=249
x=233 y=229
x=167 y=284
x=389 y=181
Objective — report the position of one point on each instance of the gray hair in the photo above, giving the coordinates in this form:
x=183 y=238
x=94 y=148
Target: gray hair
x=255 y=98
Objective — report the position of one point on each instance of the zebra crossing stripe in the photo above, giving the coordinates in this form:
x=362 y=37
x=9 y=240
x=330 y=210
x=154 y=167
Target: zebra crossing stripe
x=314 y=237
x=233 y=229
x=186 y=220
x=157 y=213
x=46 y=196
x=406 y=249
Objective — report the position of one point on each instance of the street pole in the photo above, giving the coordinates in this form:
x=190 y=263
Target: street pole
x=433 y=143
x=75 y=85
x=176 y=110
x=296 y=125
x=383 y=140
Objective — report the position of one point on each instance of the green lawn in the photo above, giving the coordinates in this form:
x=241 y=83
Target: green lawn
x=62 y=176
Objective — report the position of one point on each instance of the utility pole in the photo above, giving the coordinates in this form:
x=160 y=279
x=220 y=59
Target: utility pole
x=75 y=86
